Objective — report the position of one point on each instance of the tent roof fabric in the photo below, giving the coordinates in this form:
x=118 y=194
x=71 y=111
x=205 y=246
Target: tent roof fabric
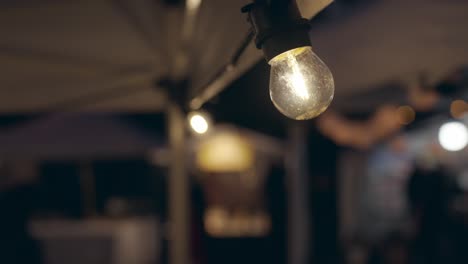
x=55 y=53
x=393 y=41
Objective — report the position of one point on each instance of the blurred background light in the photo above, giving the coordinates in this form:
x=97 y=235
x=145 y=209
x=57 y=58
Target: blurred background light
x=458 y=108
x=405 y=114
x=193 y=4
x=225 y=152
x=199 y=122
x=453 y=136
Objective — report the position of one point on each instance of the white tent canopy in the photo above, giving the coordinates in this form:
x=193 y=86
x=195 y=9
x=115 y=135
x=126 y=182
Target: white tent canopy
x=55 y=53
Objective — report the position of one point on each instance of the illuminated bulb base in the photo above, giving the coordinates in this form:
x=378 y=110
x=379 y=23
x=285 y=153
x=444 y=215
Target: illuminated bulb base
x=301 y=85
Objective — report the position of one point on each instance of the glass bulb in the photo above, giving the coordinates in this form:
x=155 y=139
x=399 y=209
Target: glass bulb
x=301 y=85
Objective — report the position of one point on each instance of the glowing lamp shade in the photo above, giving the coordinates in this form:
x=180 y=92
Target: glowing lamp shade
x=453 y=136
x=225 y=152
x=199 y=122
x=301 y=85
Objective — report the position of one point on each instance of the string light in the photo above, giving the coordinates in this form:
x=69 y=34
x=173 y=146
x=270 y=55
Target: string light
x=301 y=85
x=199 y=122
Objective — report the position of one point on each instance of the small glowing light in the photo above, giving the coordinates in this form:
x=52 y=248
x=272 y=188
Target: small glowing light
x=453 y=136
x=405 y=114
x=199 y=122
x=458 y=108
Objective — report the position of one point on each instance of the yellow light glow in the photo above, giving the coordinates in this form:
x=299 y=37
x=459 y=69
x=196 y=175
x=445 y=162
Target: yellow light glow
x=192 y=4
x=225 y=152
x=199 y=122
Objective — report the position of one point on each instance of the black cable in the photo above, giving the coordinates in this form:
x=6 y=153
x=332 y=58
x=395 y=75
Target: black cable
x=240 y=50
x=228 y=66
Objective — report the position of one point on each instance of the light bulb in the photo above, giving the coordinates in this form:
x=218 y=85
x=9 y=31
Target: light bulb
x=301 y=85
x=453 y=136
x=199 y=122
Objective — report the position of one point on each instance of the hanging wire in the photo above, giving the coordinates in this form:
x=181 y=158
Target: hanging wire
x=218 y=82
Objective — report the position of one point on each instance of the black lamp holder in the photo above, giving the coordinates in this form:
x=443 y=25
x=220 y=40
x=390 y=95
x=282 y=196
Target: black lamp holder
x=278 y=26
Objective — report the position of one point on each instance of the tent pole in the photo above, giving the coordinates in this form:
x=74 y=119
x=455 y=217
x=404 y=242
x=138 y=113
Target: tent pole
x=297 y=195
x=179 y=205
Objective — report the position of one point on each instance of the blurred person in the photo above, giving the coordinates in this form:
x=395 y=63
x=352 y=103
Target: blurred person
x=457 y=229
x=356 y=252
x=397 y=251
x=429 y=194
x=16 y=203
x=393 y=250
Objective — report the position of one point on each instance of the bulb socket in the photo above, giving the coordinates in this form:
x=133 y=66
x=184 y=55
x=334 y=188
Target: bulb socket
x=278 y=26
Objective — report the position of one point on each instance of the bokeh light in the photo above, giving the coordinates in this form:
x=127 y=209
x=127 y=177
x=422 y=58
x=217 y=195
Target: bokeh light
x=458 y=108
x=199 y=122
x=405 y=115
x=225 y=152
x=453 y=136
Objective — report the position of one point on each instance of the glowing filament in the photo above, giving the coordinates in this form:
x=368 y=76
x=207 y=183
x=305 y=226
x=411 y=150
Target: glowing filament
x=296 y=80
